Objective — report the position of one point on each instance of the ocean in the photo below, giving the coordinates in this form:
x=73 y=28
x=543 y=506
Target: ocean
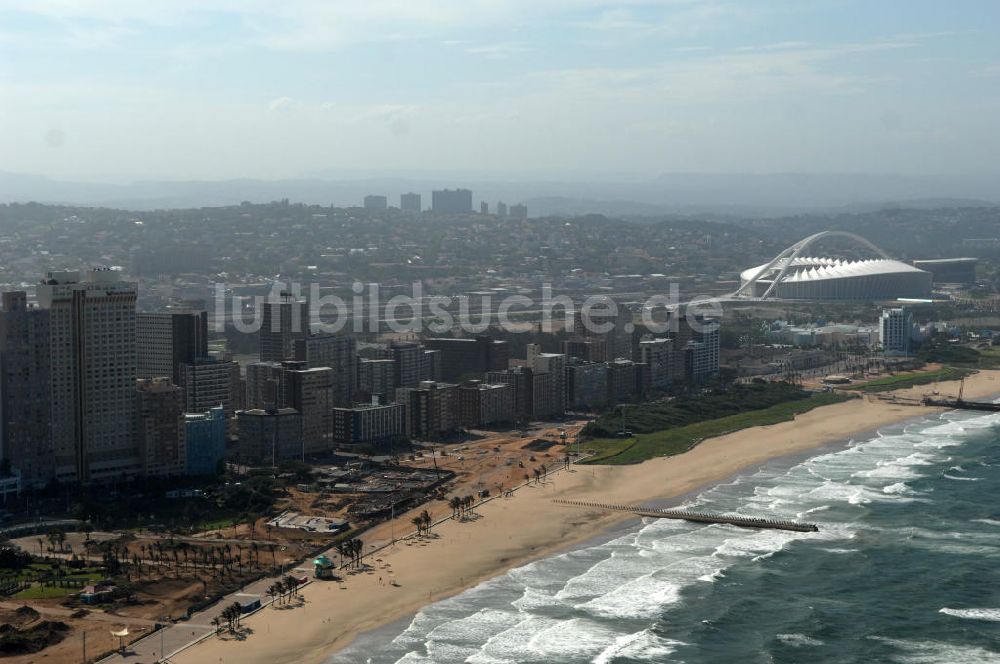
x=905 y=568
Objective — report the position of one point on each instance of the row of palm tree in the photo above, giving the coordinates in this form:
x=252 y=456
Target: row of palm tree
x=423 y=522
x=352 y=549
x=232 y=615
x=461 y=505
x=539 y=473
x=283 y=589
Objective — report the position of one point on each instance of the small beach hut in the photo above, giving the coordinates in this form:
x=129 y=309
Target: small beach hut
x=324 y=567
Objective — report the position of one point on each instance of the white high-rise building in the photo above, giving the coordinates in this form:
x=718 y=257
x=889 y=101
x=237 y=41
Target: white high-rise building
x=896 y=331
x=92 y=327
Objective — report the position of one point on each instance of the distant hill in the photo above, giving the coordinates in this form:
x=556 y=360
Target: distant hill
x=737 y=195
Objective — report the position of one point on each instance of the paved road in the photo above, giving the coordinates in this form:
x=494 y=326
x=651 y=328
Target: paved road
x=176 y=636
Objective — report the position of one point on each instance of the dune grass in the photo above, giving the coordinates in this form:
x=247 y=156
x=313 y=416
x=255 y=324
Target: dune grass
x=620 y=451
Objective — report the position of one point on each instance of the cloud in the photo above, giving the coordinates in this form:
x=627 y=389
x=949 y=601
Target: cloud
x=499 y=51
x=281 y=104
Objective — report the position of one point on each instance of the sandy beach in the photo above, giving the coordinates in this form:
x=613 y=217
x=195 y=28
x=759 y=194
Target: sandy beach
x=512 y=531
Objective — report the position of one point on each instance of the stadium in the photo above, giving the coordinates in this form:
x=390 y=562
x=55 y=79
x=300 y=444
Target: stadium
x=796 y=275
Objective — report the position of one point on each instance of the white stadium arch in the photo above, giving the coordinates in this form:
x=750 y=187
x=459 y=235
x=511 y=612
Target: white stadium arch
x=794 y=275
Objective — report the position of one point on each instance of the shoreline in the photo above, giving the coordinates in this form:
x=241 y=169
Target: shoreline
x=515 y=531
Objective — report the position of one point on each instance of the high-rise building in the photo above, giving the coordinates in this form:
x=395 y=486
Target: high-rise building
x=896 y=331
x=410 y=202
x=625 y=380
x=484 y=207
x=657 y=354
x=340 y=353
x=375 y=202
x=586 y=385
x=270 y=436
x=519 y=211
x=166 y=339
x=553 y=364
x=448 y=201
x=407 y=358
x=687 y=359
x=265 y=386
x=369 y=424
x=430 y=365
x=92 y=373
x=205 y=441
x=283 y=323
x=501 y=209
x=208 y=382
x=431 y=409
x=310 y=391
x=610 y=323
x=522 y=381
x=482 y=404
x=376 y=378
x=461 y=358
x=161 y=427
x=25 y=441
x=590 y=349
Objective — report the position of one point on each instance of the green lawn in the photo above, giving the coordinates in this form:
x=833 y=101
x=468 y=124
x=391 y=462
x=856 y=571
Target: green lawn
x=903 y=381
x=617 y=451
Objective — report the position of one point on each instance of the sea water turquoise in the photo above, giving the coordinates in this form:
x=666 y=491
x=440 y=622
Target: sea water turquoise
x=905 y=568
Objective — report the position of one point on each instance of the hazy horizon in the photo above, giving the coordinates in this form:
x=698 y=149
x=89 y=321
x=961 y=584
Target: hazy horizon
x=118 y=91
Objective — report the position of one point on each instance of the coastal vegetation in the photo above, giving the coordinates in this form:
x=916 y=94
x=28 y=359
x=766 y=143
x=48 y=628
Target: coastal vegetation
x=669 y=427
x=903 y=381
x=960 y=356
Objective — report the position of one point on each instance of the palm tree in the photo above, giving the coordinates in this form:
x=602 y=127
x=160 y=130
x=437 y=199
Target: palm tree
x=455 y=504
x=216 y=623
x=425 y=520
x=419 y=523
x=359 y=548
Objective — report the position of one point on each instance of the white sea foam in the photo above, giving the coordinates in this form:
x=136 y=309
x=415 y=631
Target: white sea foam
x=583 y=605
x=990 y=522
x=642 y=645
x=961 y=479
x=991 y=615
x=798 y=640
x=936 y=652
x=898 y=488
x=645 y=597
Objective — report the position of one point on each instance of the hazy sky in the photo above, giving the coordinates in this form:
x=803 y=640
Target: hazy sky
x=181 y=89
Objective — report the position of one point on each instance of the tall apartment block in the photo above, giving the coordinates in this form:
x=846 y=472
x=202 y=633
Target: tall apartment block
x=282 y=324
x=208 y=382
x=167 y=339
x=448 y=201
x=431 y=409
x=376 y=202
x=310 y=391
x=205 y=440
x=896 y=331
x=340 y=353
x=161 y=427
x=409 y=202
x=92 y=328
x=25 y=415
x=463 y=357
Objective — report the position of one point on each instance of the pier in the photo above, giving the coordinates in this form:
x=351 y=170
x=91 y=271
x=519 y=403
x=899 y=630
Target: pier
x=698 y=517
x=961 y=404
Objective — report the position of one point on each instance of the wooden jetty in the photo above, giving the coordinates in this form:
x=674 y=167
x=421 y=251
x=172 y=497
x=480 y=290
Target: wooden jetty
x=697 y=517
